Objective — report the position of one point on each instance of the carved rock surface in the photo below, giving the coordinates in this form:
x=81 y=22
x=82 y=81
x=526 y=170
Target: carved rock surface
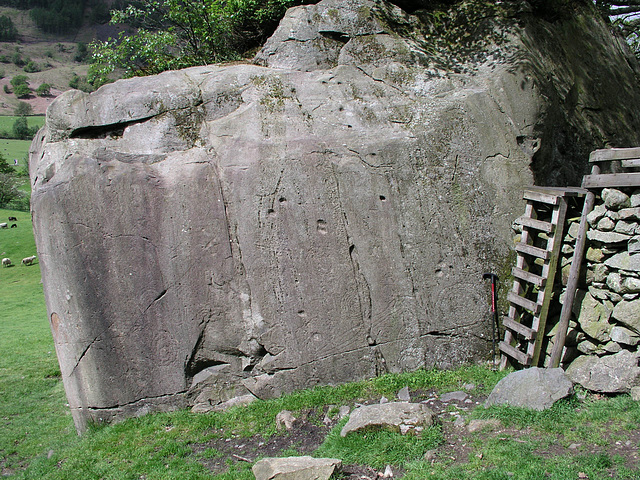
x=226 y=231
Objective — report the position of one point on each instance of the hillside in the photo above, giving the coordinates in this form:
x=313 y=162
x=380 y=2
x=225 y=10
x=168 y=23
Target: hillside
x=53 y=54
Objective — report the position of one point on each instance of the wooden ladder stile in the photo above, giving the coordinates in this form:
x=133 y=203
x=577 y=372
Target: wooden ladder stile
x=534 y=274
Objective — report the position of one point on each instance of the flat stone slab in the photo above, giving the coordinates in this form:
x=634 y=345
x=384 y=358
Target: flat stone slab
x=295 y=468
x=398 y=416
x=534 y=388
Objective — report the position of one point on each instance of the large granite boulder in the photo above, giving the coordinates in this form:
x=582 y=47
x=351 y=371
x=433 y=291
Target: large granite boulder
x=246 y=230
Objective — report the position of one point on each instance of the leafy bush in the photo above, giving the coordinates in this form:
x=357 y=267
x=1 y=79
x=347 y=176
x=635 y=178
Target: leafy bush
x=22 y=90
x=9 y=191
x=43 y=90
x=31 y=67
x=17 y=60
x=22 y=110
x=58 y=16
x=6 y=88
x=174 y=34
x=82 y=52
x=80 y=83
x=19 y=80
x=8 y=31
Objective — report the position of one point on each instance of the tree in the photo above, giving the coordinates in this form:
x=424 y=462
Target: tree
x=23 y=109
x=43 y=90
x=8 y=189
x=625 y=16
x=4 y=165
x=21 y=129
x=22 y=90
x=8 y=31
x=173 y=34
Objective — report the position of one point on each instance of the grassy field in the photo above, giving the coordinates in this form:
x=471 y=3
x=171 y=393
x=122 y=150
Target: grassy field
x=7 y=121
x=586 y=437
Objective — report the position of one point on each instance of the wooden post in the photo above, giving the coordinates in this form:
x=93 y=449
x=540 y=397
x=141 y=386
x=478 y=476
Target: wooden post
x=572 y=283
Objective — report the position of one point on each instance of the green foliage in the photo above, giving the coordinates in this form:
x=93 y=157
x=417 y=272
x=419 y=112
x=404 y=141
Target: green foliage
x=8 y=31
x=32 y=67
x=19 y=80
x=22 y=90
x=82 y=52
x=21 y=129
x=17 y=59
x=58 y=16
x=4 y=165
x=9 y=192
x=43 y=90
x=6 y=88
x=80 y=83
x=175 y=34
x=23 y=109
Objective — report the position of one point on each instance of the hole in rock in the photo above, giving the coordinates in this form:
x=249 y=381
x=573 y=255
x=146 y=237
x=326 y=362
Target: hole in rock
x=383 y=198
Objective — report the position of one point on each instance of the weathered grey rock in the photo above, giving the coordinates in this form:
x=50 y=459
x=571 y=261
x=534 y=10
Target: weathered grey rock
x=404 y=395
x=396 y=416
x=593 y=316
x=458 y=396
x=594 y=254
x=624 y=335
x=296 y=468
x=600 y=272
x=626 y=228
x=635 y=393
x=535 y=388
x=626 y=214
x=634 y=245
x=598 y=212
x=635 y=200
x=306 y=227
x=611 y=347
x=628 y=313
x=615 y=199
x=589 y=348
x=607 y=237
x=610 y=374
x=624 y=261
x=614 y=282
x=606 y=225
x=285 y=419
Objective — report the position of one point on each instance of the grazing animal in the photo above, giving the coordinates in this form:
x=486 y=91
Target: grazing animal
x=13 y=219
x=6 y=262
x=28 y=260
x=14 y=225
x=4 y=225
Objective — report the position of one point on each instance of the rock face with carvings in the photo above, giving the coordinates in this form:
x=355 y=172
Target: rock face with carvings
x=324 y=215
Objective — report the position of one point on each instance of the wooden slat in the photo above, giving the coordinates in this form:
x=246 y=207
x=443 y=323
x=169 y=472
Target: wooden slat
x=523 y=330
x=520 y=357
x=633 y=163
x=524 y=302
x=531 y=250
x=536 y=224
x=609 y=154
x=542 y=197
x=528 y=277
x=611 y=180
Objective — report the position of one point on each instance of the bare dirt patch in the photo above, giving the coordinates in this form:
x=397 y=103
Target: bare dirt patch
x=458 y=447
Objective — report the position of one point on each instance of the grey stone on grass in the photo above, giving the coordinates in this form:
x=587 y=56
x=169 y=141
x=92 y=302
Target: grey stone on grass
x=396 y=416
x=534 y=388
x=296 y=468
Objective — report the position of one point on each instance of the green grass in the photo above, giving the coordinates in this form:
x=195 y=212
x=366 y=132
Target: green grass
x=7 y=121
x=38 y=439
x=18 y=149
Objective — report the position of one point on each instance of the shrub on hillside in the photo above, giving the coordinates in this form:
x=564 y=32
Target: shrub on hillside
x=8 y=31
x=23 y=109
x=32 y=67
x=43 y=90
x=19 y=80
x=22 y=90
x=17 y=59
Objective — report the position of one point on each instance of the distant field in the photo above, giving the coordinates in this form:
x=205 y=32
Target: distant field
x=7 y=121
x=15 y=149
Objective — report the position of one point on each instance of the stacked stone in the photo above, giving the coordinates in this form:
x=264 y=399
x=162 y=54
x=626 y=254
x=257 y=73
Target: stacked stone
x=607 y=305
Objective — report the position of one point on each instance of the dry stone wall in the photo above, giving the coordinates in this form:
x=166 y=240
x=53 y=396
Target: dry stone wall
x=606 y=310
